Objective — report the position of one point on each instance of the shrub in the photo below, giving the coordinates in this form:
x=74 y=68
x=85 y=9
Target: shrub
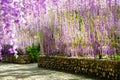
x=5 y=49
x=115 y=56
x=33 y=52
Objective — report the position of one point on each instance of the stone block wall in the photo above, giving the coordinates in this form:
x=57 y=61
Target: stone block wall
x=22 y=59
x=104 y=69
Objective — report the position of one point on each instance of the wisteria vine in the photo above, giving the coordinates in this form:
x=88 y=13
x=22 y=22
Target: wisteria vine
x=70 y=27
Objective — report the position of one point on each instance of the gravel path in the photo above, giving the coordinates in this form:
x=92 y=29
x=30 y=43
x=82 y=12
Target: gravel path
x=10 y=71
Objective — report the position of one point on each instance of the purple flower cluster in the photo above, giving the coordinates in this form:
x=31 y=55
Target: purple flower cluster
x=9 y=15
x=85 y=27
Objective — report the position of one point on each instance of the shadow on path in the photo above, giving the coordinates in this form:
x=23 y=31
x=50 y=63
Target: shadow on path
x=10 y=71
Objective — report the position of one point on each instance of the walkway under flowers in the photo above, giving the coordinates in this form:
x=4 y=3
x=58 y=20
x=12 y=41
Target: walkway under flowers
x=32 y=72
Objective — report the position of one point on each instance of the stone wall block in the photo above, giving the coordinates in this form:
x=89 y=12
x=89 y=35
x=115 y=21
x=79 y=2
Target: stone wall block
x=105 y=69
